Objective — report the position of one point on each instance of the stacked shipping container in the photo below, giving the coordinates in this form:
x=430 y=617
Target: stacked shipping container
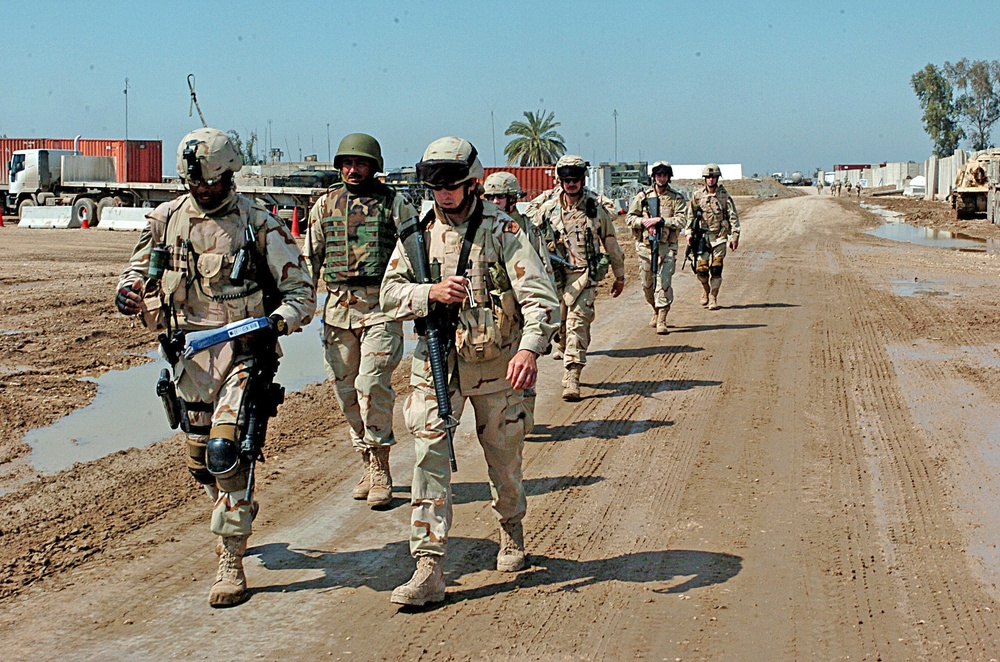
x=533 y=179
x=145 y=157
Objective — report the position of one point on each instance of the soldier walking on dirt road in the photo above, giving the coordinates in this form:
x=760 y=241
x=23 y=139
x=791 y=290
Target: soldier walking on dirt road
x=182 y=278
x=580 y=232
x=490 y=285
x=712 y=212
x=666 y=225
x=352 y=232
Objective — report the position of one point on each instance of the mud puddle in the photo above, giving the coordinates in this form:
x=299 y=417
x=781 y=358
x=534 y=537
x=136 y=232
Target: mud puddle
x=920 y=288
x=896 y=229
x=126 y=412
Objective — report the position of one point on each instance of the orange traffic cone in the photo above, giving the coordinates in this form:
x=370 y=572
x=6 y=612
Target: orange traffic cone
x=84 y=222
x=274 y=211
x=295 y=222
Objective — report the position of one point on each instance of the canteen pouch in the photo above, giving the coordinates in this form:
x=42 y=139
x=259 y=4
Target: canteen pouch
x=477 y=338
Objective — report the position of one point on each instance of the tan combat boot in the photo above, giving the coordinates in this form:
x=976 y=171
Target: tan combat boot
x=704 y=294
x=652 y=320
x=571 y=383
x=713 y=295
x=661 y=321
x=510 y=558
x=230 y=587
x=361 y=489
x=426 y=584
x=380 y=493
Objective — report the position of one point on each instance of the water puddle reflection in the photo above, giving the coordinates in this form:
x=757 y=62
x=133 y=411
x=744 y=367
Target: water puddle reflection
x=126 y=413
x=926 y=288
x=896 y=230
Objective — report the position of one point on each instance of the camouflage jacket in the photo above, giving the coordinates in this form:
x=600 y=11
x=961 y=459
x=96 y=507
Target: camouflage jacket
x=718 y=210
x=673 y=210
x=524 y=307
x=202 y=247
x=347 y=306
x=564 y=228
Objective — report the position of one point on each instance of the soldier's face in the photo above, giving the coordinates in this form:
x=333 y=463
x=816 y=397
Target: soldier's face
x=501 y=201
x=711 y=183
x=450 y=199
x=210 y=196
x=355 y=170
x=572 y=185
x=661 y=179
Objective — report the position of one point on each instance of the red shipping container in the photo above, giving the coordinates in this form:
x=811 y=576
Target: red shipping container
x=145 y=157
x=533 y=179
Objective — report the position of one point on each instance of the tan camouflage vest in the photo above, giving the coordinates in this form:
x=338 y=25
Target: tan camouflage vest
x=360 y=236
x=715 y=210
x=196 y=288
x=570 y=226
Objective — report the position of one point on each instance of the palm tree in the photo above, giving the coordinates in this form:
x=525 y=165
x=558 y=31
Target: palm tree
x=537 y=142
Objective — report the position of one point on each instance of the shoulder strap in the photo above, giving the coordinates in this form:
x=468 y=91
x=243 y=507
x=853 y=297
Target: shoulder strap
x=470 y=236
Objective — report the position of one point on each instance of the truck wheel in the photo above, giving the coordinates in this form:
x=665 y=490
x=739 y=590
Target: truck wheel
x=85 y=209
x=103 y=204
x=28 y=202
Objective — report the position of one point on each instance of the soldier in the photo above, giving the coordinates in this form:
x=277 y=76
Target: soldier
x=183 y=277
x=352 y=231
x=503 y=190
x=847 y=185
x=713 y=210
x=819 y=186
x=505 y=311
x=857 y=189
x=576 y=226
x=666 y=225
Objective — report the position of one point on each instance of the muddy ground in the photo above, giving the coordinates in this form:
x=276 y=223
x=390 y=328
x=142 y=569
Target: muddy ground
x=809 y=472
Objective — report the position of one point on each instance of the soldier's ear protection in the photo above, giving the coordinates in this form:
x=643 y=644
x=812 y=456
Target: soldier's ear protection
x=590 y=208
x=190 y=157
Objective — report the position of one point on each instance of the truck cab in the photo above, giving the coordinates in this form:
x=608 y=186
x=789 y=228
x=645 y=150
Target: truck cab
x=34 y=171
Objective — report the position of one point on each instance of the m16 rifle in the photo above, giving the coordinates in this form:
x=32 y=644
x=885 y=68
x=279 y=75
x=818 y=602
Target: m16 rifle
x=653 y=205
x=698 y=242
x=262 y=399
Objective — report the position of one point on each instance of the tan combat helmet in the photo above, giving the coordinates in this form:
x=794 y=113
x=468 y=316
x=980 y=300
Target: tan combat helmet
x=711 y=170
x=502 y=183
x=663 y=167
x=571 y=165
x=449 y=160
x=205 y=154
x=360 y=144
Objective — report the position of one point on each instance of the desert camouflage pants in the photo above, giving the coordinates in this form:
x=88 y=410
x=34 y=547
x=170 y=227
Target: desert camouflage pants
x=579 y=316
x=360 y=364
x=659 y=294
x=500 y=427
x=232 y=514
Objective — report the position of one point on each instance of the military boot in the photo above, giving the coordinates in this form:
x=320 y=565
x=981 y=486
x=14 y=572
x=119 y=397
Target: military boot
x=230 y=587
x=426 y=584
x=510 y=558
x=661 y=321
x=713 y=295
x=704 y=294
x=380 y=493
x=653 y=319
x=571 y=383
x=364 y=485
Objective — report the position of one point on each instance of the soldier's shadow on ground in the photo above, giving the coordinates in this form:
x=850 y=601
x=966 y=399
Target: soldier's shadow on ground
x=745 y=306
x=715 y=327
x=605 y=428
x=639 y=352
x=473 y=492
x=387 y=567
x=647 y=388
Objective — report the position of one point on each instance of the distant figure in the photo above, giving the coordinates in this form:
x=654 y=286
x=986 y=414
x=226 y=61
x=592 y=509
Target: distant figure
x=848 y=186
x=819 y=186
x=858 y=190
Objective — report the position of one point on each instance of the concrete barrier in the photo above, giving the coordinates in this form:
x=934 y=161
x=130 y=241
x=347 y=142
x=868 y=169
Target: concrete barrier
x=123 y=218
x=58 y=218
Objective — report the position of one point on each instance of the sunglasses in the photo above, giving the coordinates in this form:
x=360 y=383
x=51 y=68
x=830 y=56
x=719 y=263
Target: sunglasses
x=571 y=180
x=445 y=187
x=495 y=196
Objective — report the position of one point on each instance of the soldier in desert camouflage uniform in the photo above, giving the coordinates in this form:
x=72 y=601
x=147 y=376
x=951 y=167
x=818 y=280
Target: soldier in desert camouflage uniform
x=658 y=288
x=202 y=233
x=567 y=219
x=352 y=231
x=713 y=209
x=506 y=312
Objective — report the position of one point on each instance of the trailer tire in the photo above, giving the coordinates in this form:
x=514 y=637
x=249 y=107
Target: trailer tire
x=27 y=202
x=104 y=203
x=85 y=209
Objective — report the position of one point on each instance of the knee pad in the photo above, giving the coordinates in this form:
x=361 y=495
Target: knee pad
x=715 y=271
x=222 y=452
x=196 y=462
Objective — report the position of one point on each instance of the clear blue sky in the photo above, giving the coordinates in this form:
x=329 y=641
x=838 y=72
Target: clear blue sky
x=774 y=86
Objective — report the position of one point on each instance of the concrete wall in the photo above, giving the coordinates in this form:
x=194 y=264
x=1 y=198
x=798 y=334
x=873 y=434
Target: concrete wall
x=897 y=174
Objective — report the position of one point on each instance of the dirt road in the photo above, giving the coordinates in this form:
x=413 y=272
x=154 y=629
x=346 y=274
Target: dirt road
x=809 y=472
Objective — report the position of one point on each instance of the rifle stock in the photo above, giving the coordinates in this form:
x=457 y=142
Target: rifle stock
x=653 y=204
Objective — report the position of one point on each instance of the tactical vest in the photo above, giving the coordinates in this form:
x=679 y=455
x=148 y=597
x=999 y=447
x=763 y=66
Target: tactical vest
x=360 y=236
x=571 y=225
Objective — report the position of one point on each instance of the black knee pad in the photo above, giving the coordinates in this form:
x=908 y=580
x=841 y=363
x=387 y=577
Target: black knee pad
x=715 y=271
x=224 y=460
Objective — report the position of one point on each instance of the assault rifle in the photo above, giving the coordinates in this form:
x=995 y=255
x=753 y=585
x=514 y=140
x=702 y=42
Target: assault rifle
x=698 y=242
x=262 y=398
x=438 y=328
x=653 y=204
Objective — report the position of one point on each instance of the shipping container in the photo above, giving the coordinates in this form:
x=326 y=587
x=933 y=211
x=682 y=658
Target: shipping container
x=533 y=179
x=145 y=157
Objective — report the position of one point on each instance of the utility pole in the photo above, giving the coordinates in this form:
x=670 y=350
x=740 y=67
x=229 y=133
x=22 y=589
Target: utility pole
x=329 y=151
x=615 y=115
x=494 y=132
x=270 y=140
x=126 y=130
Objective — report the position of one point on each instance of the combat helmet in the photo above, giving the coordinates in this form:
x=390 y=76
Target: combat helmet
x=571 y=165
x=711 y=170
x=359 y=144
x=502 y=183
x=449 y=160
x=662 y=167
x=205 y=154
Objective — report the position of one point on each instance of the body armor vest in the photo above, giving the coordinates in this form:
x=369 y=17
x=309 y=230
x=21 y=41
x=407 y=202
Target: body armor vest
x=360 y=236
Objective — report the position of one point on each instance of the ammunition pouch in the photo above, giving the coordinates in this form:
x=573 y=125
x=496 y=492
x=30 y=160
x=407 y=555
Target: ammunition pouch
x=601 y=266
x=477 y=338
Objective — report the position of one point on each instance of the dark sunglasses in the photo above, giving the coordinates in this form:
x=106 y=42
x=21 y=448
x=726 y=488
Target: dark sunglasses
x=445 y=187
x=571 y=180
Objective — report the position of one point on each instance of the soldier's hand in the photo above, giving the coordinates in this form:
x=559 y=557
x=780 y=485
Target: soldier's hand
x=652 y=223
x=734 y=244
x=128 y=300
x=617 y=287
x=522 y=371
x=450 y=290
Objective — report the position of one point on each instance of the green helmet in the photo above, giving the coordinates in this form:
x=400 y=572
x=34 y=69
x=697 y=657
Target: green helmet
x=662 y=167
x=449 y=160
x=205 y=154
x=711 y=170
x=360 y=144
x=571 y=165
x=502 y=183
